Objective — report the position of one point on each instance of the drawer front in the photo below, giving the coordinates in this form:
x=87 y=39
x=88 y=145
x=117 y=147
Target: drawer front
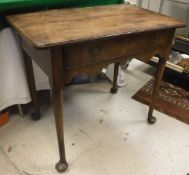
x=96 y=51
x=103 y=50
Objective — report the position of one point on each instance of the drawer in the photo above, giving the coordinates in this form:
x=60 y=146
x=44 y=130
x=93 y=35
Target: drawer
x=103 y=50
x=97 y=51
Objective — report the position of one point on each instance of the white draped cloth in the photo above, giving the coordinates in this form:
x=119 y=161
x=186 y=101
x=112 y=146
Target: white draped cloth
x=13 y=82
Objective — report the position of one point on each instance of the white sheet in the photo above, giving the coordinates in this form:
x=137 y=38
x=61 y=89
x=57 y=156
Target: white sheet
x=13 y=83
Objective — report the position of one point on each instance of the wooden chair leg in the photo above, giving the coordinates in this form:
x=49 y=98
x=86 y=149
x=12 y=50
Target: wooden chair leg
x=31 y=81
x=114 y=89
x=158 y=78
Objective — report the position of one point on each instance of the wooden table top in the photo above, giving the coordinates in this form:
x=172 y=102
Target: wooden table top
x=63 y=26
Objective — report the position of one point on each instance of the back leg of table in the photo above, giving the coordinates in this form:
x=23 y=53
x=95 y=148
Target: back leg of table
x=158 y=79
x=114 y=89
x=31 y=81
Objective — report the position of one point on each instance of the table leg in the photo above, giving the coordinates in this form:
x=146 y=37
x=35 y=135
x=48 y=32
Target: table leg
x=62 y=165
x=114 y=89
x=57 y=84
x=158 y=79
x=31 y=81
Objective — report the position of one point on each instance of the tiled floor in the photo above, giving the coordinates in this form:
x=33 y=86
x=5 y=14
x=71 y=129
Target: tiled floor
x=105 y=134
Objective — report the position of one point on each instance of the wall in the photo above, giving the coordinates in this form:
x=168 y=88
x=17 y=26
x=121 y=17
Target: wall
x=178 y=9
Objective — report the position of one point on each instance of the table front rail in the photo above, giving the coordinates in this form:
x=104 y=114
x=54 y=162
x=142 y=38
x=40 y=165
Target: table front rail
x=104 y=50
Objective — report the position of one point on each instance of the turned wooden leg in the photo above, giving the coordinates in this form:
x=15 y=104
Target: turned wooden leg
x=57 y=83
x=31 y=81
x=62 y=165
x=114 y=89
x=157 y=81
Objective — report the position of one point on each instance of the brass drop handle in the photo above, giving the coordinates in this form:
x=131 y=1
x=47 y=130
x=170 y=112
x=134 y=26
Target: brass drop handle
x=152 y=39
x=96 y=50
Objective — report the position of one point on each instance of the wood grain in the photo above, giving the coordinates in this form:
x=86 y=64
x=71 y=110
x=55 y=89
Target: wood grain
x=64 y=26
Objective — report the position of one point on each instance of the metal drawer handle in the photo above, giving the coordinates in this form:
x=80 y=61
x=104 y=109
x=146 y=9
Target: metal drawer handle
x=95 y=50
x=152 y=39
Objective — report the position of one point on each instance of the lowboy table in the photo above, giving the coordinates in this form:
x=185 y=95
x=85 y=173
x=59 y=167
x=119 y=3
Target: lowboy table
x=85 y=40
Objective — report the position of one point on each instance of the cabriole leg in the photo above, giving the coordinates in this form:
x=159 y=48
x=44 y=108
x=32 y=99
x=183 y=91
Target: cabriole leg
x=62 y=165
x=57 y=83
x=157 y=81
x=31 y=81
x=114 y=89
